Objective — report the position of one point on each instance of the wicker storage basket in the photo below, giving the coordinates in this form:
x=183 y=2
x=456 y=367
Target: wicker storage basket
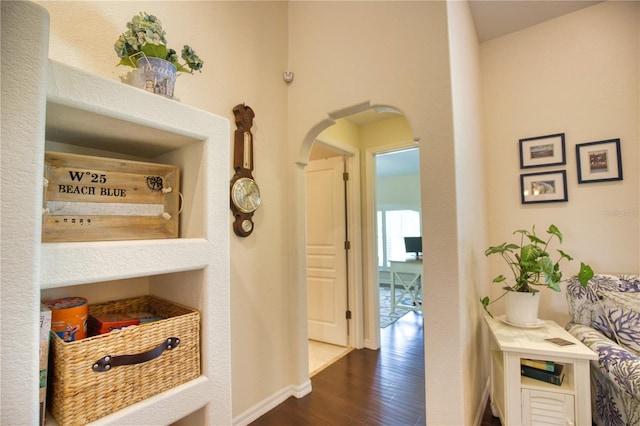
x=81 y=393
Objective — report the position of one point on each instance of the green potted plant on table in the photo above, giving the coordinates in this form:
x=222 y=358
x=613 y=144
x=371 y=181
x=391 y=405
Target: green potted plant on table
x=144 y=46
x=532 y=269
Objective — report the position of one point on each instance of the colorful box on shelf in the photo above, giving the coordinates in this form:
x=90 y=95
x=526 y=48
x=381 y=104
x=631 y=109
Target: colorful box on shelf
x=45 y=330
x=100 y=375
x=106 y=323
x=90 y=198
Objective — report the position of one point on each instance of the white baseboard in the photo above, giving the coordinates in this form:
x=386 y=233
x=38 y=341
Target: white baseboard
x=483 y=405
x=270 y=403
x=368 y=344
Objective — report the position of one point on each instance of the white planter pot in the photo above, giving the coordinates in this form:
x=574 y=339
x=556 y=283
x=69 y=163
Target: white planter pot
x=522 y=308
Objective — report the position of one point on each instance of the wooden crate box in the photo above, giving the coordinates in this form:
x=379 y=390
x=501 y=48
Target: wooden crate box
x=90 y=198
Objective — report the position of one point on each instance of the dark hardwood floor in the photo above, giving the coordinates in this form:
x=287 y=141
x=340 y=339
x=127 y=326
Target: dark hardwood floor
x=384 y=387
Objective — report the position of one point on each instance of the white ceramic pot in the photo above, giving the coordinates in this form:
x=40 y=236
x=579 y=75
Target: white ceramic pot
x=522 y=308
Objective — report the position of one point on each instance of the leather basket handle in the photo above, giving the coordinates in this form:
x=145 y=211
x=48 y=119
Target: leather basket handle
x=107 y=362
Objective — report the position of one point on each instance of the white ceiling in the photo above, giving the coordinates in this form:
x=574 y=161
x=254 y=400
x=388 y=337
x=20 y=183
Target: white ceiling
x=495 y=18
x=398 y=163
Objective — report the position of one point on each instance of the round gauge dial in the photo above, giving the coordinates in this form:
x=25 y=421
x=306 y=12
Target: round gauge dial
x=247 y=225
x=245 y=195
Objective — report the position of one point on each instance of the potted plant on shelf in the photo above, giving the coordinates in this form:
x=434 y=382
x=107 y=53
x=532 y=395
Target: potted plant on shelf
x=532 y=269
x=144 y=46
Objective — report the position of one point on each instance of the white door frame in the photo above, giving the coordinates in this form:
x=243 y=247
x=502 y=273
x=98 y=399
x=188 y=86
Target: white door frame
x=370 y=264
x=354 y=260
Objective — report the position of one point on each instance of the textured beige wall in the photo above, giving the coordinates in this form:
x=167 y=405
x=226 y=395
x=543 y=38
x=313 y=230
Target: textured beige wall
x=395 y=54
x=577 y=74
x=344 y=132
x=471 y=195
x=391 y=131
x=244 y=49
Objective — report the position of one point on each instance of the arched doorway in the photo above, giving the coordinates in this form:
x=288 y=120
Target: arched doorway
x=364 y=327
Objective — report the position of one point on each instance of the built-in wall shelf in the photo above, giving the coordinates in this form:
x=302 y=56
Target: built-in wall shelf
x=89 y=114
x=65 y=264
x=50 y=106
x=158 y=409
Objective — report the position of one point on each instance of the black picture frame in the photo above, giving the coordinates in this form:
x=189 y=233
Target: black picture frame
x=599 y=161
x=544 y=187
x=542 y=151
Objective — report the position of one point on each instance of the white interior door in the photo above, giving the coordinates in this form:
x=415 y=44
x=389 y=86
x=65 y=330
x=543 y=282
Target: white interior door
x=326 y=254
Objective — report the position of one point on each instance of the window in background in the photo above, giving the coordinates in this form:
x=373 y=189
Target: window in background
x=393 y=226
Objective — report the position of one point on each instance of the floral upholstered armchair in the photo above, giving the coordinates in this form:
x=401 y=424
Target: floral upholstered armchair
x=605 y=316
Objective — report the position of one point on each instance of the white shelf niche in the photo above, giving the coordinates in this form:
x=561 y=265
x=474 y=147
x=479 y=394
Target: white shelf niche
x=91 y=115
x=184 y=288
x=94 y=116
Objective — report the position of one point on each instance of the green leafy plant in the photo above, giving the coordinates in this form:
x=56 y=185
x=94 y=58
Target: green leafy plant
x=531 y=264
x=145 y=37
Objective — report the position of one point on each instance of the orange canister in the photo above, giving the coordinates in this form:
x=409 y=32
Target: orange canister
x=69 y=317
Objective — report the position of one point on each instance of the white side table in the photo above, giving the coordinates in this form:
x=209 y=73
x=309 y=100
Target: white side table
x=520 y=400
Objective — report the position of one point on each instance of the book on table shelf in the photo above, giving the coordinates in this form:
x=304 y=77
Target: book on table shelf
x=554 y=377
x=539 y=364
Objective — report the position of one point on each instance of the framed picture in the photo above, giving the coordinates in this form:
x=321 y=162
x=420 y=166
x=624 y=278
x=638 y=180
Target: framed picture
x=599 y=161
x=547 y=187
x=542 y=151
